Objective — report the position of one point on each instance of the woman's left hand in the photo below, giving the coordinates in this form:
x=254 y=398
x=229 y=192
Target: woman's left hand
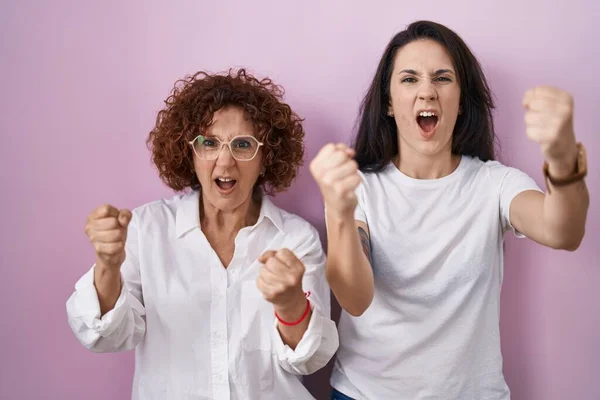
x=280 y=281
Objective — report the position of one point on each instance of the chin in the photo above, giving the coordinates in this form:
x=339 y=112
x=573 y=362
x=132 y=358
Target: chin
x=229 y=202
x=427 y=148
x=433 y=145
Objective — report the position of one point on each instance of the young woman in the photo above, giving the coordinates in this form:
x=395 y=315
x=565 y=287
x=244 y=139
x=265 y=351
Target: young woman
x=416 y=213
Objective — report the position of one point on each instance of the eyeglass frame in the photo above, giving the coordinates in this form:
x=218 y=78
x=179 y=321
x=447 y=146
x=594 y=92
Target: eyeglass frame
x=228 y=144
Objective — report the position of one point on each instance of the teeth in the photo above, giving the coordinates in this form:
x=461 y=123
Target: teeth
x=225 y=179
x=427 y=114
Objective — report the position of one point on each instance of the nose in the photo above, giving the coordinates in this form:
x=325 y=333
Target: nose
x=225 y=158
x=427 y=92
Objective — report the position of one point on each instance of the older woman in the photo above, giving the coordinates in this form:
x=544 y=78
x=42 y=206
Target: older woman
x=221 y=293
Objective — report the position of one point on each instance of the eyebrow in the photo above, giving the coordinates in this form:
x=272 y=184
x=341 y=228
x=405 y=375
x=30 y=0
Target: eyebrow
x=436 y=73
x=227 y=137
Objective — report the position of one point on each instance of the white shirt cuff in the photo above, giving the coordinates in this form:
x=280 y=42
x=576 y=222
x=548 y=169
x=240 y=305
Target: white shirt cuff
x=87 y=306
x=308 y=345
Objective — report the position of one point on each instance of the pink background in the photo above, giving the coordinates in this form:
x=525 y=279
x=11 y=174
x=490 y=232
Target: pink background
x=80 y=87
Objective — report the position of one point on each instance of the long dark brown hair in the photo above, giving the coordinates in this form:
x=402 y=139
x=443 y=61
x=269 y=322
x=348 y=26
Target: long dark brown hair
x=376 y=142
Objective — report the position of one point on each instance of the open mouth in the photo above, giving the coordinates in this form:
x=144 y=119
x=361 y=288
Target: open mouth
x=225 y=184
x=427 y=120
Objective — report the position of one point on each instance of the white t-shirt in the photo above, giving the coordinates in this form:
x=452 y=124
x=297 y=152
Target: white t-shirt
x=432 y=330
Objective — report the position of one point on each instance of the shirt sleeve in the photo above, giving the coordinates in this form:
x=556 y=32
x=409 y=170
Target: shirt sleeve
x=359 y=211
x=512 y=183
x=320 y=341
x=124 y=326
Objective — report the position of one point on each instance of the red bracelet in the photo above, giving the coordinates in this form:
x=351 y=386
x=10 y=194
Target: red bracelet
x=298 y=321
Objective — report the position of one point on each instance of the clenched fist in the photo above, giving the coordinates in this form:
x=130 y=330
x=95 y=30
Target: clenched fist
x=280 y=278
x=549 y=122
x=106 y=228
x=337 y=175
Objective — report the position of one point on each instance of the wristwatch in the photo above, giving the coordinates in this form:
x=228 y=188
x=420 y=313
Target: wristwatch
x=577 y=175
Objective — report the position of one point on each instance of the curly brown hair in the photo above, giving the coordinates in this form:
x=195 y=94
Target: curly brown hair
x=189 y=111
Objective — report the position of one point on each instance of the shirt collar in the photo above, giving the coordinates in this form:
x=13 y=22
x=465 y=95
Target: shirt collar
x=188 y=215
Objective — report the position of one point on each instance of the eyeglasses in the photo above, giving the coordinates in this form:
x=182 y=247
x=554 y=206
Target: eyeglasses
x=242 y=148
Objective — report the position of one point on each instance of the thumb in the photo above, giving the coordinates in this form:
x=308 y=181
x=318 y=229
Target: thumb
x=124 y=218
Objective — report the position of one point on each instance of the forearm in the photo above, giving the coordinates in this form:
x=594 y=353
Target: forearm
x=292 y=334
x=107 y=281
x=120 y=329
x=318 y=344
x=565 y=209
x=348 y=270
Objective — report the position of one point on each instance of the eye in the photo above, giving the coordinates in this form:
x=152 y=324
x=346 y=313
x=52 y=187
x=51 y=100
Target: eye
x=242 y=144
x=443 y=79
x=209 y=143
x=408 y=79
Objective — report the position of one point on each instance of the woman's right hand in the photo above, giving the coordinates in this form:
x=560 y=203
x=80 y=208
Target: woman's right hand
x=106 y=228
x=337 y=175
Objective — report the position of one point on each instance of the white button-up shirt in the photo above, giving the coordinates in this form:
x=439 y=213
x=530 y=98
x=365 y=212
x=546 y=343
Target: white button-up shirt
x=202 y=331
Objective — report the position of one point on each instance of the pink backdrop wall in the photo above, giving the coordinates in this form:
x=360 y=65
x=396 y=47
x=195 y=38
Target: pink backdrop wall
x=80 y=84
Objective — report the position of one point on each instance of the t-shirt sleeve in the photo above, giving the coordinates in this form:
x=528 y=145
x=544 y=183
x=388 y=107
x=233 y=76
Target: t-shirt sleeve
x=512 y=183
x=359 y=211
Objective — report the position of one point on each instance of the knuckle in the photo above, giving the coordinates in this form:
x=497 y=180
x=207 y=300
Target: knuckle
x=295 y=281
x=339 y=189
x=567 y=109
x=329 y=147
x=284 y=252
x=327 y=180
x=261 y=273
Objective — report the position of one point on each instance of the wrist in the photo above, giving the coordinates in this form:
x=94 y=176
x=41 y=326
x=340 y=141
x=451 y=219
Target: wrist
x=293 y=309
x=565 y=165
x=339 y=217
x=106 y=271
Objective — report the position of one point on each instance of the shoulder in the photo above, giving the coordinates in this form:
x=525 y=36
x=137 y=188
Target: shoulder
x=165 y=209
x=296 y=225
x=298 y=232
x=500 y=172
x=491 y=171
x=371 y=179
x=496 y=176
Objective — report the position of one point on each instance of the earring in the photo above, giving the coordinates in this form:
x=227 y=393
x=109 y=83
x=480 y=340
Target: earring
x=459 y=110
x=390 y=113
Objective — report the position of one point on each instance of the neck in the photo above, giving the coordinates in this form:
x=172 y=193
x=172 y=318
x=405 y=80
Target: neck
x=231 y=220
x=424 y=166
